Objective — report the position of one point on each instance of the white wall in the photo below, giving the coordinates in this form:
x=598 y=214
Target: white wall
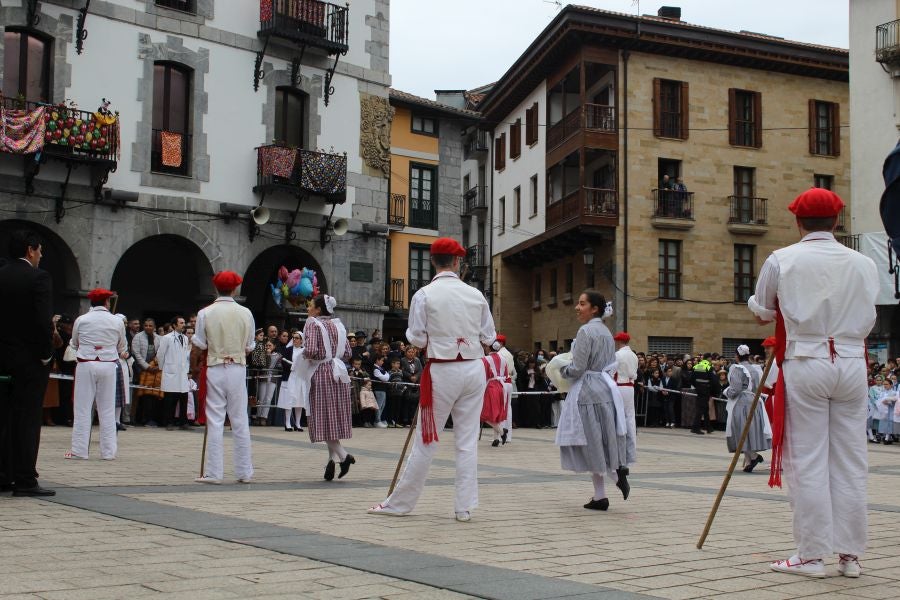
x=518 y=172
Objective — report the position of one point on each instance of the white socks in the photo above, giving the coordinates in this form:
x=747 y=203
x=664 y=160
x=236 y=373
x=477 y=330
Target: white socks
x=599 y=486
x=336 y=451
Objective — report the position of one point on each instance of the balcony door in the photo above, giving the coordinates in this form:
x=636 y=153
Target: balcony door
x=26 y=66
x=744 y=184
x=290 y=117
x=423 y=196
x=170 y=152
x=420 y=269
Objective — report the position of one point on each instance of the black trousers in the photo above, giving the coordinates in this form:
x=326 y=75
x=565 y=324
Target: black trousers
x=21 y=416
x=701 y=410
x=171 y=399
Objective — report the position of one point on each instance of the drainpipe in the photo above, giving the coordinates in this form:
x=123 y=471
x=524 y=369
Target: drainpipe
x=490 y=223
x=625 y=189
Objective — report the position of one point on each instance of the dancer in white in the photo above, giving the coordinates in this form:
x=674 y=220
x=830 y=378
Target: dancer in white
x=626 y=374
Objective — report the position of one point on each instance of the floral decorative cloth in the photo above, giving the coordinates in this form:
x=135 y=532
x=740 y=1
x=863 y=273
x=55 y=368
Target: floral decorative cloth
x=171 y=148
x=323 y=173
x=22 y=131
x=265 y=10
x=278 y=160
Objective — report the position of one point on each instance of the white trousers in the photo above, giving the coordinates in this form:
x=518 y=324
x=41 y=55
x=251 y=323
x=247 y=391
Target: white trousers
x=458 y=392
x=627 y=393
x=226 y=392
x=825 y=462
x=95 y=381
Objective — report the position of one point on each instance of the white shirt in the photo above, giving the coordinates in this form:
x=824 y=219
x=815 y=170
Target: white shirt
x=199 y=338
x=627 y=362
x=98 y=335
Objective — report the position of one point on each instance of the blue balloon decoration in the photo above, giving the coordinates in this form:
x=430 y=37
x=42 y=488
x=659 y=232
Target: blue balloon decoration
x=297 y=290
x=276 y=294
x=306 y=287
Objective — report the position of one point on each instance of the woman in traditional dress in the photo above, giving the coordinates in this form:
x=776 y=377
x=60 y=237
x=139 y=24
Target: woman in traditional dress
x=294 y=395
x=324 y=350
x=743 y=380
x=591 y=432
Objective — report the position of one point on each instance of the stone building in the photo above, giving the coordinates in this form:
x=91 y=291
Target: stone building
x=223 y=108
x=589 y=130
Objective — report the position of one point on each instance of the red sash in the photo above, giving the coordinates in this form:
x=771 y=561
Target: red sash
x=200 y=407
x=426 y=400
x=778 y=402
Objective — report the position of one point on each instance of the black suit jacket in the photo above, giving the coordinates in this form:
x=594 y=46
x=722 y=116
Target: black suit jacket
x=26 y=327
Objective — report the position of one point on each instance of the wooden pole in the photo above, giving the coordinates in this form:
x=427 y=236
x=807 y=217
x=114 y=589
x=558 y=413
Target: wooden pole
x=737 y=452
x=203 y=452
x=412 y=428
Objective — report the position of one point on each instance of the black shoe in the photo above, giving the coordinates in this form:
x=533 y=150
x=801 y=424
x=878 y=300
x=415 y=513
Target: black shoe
x=697 y=431
x=329 y=471
x=709 y=430
x=288 y=428
x=504 y=436
x=622 y=483
x=601 y=504
x=120 y=427
x=495 y=443
x=298 y=429
x=33 y=491
x=345 y=465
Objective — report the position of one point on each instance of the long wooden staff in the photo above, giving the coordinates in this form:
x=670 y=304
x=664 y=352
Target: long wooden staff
x=737 y=452
x=412 y=428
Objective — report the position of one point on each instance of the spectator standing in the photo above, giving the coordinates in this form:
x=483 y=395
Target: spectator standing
x=144 y=347
x=412 y=372
x=174 y=359
x=294 y=395
x=380 y=377
x=706 y=382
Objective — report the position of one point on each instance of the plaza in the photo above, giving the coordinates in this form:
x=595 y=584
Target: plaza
x=140 y=527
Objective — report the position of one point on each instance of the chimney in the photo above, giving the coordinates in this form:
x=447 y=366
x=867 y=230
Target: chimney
x=673 y=13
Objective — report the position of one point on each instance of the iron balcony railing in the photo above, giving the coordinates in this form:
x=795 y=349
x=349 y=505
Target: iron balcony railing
x=474 y=200
x=170 y=152
x=398 y=298
x=477 y=143
x=671 y=204
x=851 y=241
x=397 y=210
x=594 y=117
x=887 y=42
x=747 y=210
x=313 y=22
x=317 y=173
x=841 y=223
x=670 y=124
x=477 y=256
x=187 y=6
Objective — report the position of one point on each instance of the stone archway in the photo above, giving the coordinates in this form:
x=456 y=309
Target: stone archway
x=161 y=276
x=264 y=271
x=58 y=260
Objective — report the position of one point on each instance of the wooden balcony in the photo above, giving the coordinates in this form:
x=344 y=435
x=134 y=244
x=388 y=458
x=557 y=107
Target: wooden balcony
x=301 y=172
x=590 y=118
x=747 y=215
x=672 y=210
x=585 y=206
x=306 y=22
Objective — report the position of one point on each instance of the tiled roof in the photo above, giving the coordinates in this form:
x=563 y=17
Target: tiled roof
x=408 y=98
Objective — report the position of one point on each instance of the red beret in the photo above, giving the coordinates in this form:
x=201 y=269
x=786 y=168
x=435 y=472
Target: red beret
x=770 y=341
x=447 y=245
x=501 y=338
x=622 y=336
x=99 y=295
x=225 y=281
x=817 y=202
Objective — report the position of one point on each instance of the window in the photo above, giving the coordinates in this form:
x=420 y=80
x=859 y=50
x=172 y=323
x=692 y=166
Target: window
x=423 y=196
x=743 y=202
x=554 y=275
x=26 y=66
x=670 y=109
x=744 y=118
x=424 y=125
x=501 y=208
x=290 y=117
x=536 y=299
x=744 y=281
x=823 y=181
x=531 y=124
x=533 y=186
x=188 y=6
x=420 y=268
x=729 y=346
x=517 y=206
x=678 y=346
x=500 y=152
x=171 y=150
x=824 y=128
x=567 y=290
x=670 y=269
x=515 y=139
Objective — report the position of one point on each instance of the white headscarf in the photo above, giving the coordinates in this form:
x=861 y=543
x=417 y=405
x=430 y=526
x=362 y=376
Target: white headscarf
x=330 y=303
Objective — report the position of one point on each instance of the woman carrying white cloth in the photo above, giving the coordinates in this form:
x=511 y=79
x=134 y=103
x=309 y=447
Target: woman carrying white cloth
x=294 y=396
x=743 y=380
x=591 y=432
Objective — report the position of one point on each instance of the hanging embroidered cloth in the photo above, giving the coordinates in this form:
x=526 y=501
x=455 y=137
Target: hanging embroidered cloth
x=278 y=161
x=22 y=131
x=265 y=10
x=322 y=173
x=171 y=149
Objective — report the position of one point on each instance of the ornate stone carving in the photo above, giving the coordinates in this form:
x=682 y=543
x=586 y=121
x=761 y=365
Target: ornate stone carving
x=376 y=115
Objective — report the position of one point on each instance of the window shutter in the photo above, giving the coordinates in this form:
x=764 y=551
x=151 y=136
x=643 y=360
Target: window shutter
x=757 y=119
x=657 y=106
x=685 y=111
x=732 y=116
x=534 y=123
x=835 y=129
x=812 y=126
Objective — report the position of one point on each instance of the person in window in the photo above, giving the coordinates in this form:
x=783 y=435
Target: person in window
x=682 y=200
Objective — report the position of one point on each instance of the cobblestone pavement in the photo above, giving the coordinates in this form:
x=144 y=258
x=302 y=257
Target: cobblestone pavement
x=139 y=526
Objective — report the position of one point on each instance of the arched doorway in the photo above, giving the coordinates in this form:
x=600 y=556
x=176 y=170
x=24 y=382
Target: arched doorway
x=58 y=260
x=161 y=276
x=264 y=271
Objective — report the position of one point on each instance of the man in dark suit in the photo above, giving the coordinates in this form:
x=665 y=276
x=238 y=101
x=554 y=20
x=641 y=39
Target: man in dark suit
x=26 y=350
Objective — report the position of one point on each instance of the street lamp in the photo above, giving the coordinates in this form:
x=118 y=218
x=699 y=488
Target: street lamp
x=589 y=267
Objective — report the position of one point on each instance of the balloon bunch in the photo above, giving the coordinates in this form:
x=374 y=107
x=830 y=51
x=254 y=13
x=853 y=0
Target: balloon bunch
x=294 y=288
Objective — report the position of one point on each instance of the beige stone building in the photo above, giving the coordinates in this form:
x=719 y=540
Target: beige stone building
x=615 y=109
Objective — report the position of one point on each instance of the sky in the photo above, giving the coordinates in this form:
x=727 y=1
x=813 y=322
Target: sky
x=462 y=44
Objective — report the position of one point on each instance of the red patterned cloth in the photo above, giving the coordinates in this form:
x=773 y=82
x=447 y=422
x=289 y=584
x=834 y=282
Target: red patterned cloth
x=22 y=131
x=278 y=161
x=265 y=10
x=329 y=400
x=171 y=148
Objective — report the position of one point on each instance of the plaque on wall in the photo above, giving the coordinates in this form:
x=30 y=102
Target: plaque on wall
x=361 y=271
